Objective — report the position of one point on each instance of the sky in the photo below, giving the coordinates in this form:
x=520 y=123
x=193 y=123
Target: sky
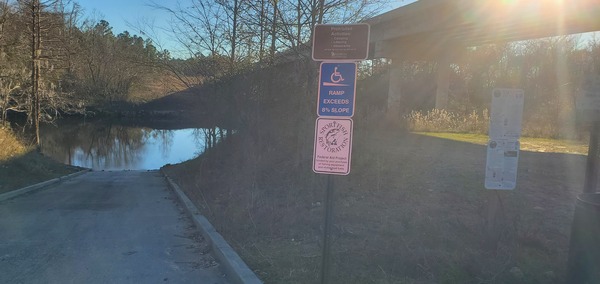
x=132 y=16
x=119 y=12
x=128 y=15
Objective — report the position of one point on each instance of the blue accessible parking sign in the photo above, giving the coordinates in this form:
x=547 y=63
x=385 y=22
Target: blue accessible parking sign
x=337 y=89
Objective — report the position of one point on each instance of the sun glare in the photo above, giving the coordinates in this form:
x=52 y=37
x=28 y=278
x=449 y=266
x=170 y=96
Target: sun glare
x=514 y=2
x=560 y=2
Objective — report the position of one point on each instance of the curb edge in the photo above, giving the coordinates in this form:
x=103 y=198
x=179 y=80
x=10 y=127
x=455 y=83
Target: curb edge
x=236 y=269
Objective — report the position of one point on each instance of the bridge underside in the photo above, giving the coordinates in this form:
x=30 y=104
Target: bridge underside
x=437 y=31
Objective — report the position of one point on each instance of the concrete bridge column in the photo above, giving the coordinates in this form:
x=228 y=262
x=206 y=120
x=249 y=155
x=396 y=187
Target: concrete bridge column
x=394 y=102
x=443 y=81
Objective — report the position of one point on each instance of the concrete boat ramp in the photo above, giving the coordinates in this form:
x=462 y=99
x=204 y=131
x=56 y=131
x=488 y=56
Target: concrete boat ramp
x=110 y=227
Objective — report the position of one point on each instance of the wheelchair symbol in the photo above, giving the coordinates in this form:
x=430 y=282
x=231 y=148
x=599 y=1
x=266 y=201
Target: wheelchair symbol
x=336 y=76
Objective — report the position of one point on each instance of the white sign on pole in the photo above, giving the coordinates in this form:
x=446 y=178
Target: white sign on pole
x=506 y=114
x=333 y=146
x=505 y=130
x=502 y=163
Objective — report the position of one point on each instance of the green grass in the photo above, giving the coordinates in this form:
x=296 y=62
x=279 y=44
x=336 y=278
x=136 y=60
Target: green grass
x=527 y=144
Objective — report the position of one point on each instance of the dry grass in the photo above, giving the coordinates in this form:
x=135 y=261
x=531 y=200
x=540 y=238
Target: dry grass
x=413 y=210
x=542 y=145
x=440 y=120
x=11 y=146
x=549 y=123
x=152 y=88
x=21 y=165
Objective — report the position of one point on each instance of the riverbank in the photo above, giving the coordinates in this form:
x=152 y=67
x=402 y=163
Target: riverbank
x=21 y=165
x=195 y=107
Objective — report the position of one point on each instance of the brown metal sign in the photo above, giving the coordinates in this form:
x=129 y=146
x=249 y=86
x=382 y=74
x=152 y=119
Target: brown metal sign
x=341 y=42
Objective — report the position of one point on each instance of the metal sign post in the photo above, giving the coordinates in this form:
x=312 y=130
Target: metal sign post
x=341 y=45
x=325 y=261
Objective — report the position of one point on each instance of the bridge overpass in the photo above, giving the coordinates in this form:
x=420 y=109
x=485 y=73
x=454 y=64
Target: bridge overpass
x=436 y=30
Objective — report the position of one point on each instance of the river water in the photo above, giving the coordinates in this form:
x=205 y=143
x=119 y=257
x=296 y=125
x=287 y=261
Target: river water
x=110 y=146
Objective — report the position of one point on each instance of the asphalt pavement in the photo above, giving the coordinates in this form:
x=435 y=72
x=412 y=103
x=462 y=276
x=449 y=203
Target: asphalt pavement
x=103 y=227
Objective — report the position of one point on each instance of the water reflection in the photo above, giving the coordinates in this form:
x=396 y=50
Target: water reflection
x=102 y=146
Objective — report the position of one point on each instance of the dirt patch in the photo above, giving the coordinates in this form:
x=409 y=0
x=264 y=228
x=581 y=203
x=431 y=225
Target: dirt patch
x=413 y=210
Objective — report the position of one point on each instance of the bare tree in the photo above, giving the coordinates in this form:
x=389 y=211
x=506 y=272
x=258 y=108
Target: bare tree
x=196 y=26
x=243 y=30
x=35 y=8
x=12 y=74
x=47 y=42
